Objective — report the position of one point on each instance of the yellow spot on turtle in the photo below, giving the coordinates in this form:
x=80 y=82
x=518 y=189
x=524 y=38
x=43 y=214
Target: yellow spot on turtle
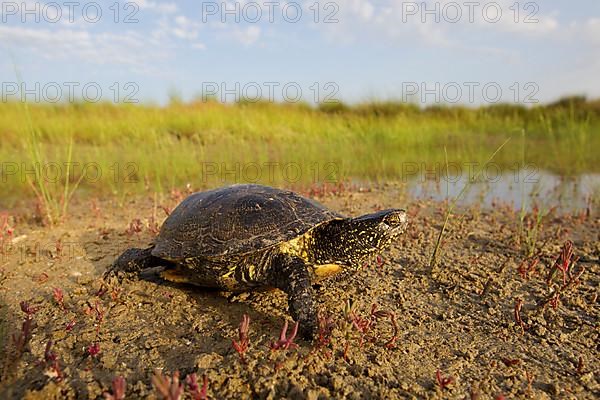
x=251 y=271
x=177 y=275
x=297 y=247
x=326 y=270
x=228 y=274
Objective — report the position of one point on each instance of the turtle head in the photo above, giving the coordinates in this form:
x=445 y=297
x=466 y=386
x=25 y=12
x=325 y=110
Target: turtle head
x=376 y=231
x=350 y=241
x=372 y=233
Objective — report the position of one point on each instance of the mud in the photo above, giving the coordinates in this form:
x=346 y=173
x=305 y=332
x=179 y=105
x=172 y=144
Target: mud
x=457 y=330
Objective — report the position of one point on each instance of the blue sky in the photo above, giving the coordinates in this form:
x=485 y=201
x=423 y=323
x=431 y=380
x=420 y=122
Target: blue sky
x=369 y=49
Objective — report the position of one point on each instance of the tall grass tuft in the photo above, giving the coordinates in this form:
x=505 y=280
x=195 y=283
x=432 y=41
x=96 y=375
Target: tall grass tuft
x=438 y=243
x=53 y=197
x=530 y=222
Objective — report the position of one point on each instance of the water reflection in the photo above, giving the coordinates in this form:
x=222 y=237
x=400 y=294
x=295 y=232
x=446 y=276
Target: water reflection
x=541 y=188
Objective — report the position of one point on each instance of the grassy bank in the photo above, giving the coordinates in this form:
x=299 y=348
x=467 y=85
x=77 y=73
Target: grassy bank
x=127 y=148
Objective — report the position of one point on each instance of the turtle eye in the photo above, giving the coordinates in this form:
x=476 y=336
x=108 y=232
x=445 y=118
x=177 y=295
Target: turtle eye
x=395 y=218
x=392 y=219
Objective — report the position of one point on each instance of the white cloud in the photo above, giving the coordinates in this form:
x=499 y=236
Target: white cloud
x=363 y=9
x=525 y=19
x=126 y=48
x=185 y=28
x=168 y=8
x=591 y=30
x=247 y=36
x=430 y=24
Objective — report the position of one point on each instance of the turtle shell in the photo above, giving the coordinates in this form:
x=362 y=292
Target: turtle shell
x=236 y=220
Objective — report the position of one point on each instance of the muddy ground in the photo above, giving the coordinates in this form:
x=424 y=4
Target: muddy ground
x=458 y=334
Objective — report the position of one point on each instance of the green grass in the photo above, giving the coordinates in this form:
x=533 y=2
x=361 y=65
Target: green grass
x=453 y=202
x=136 y=147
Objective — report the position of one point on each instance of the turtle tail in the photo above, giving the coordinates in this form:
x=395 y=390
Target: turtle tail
x=131 y=262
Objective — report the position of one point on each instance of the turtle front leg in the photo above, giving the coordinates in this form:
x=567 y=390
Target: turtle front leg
x=292 y=276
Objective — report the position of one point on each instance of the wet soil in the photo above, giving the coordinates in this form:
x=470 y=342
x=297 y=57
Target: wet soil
x=458 y=334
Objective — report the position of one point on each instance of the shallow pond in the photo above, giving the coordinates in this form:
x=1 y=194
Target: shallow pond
x=530 y=188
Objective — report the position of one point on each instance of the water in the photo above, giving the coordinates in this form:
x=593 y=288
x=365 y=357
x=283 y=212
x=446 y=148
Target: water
x=541 y=188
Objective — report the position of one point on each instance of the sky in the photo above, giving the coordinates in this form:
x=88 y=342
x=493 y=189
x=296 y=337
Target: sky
x=465 y=52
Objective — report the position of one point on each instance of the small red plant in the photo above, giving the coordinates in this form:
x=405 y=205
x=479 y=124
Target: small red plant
x=5 y=228
x=102 y=290
x=176 y=195
x=527 y=267
x=70 y=325
x=27 y=308
x=58 y=295
x=580 y=366
x=555 y=300
x=153 y=225
x=119 y=386
x=326 y=326
x=518 y=319
x=51 y=363
x=21 y=339
x=99 y=312
x=135 y=227
x=376 y=314
x=197 y=392
x=529 y=378
x=95 y=208
x=510 y=362
x=115 y=293
x=443 y=381
x=41 y=278
x=59 y=248
x=564 y=261
x=242 y=346
x=284 y=342
x=364 y=325
x=168 y=388
x=6 y=231
x=94 y=349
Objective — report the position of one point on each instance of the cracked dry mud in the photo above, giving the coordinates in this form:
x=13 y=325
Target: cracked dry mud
x=457 y=318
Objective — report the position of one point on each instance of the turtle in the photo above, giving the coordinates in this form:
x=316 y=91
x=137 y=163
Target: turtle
x=247 y=236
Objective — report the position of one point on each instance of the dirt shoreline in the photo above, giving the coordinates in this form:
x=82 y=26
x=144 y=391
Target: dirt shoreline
x=458 y=318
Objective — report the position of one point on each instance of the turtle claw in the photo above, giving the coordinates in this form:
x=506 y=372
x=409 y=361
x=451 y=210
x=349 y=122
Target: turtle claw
x=307 y=333
x=116 y=275
x=303 y=309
